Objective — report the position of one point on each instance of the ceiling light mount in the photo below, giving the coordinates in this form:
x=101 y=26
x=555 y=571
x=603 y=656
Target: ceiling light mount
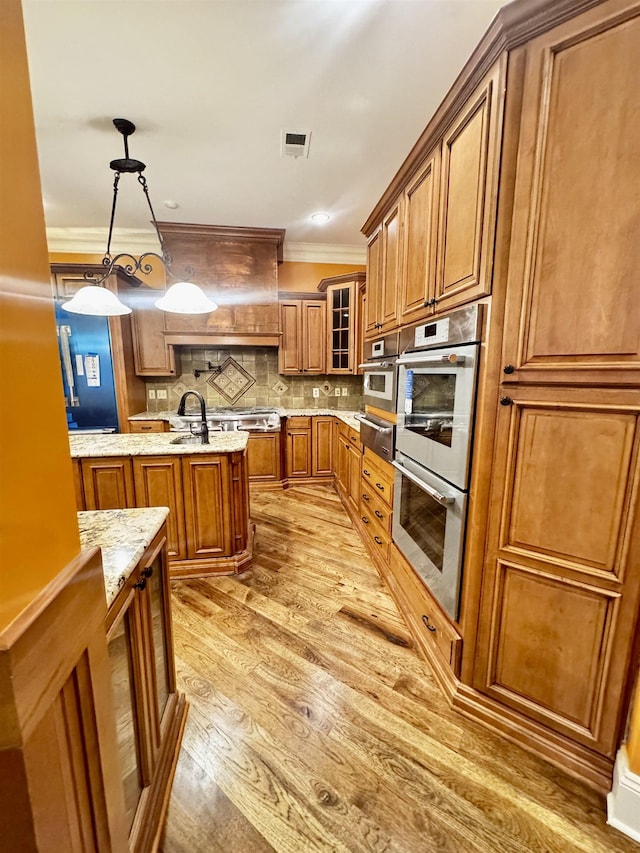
x=178 y=298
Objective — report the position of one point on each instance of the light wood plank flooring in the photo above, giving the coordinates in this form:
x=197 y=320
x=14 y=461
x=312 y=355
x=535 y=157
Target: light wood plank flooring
x=315 y=726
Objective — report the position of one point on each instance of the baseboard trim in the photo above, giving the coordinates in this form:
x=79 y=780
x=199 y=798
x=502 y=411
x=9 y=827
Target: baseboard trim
x=623 y=801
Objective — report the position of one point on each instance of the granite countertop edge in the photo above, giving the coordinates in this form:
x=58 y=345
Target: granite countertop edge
x=123 y=536
x=153 y=444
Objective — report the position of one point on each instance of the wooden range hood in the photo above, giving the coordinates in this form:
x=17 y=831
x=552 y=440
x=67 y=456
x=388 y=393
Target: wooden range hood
x=238 y=269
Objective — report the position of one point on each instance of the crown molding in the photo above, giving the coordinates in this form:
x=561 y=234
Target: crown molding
x=325 y=253
x=94 y=241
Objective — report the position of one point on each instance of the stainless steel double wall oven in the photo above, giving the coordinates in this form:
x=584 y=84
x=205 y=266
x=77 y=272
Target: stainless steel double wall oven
x=436 y=390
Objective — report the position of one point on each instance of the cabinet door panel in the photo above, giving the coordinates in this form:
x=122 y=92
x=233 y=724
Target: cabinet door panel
x=468 y=192
x=314 y=337
x=151 y=354
x=158 y=482
x=108 y=483
x=559 y=598
x=263 y=456
x=322 y=444
x=374 y=281
x=207 y=512
x=420 y=237
x=391 y=266
x=573 y=288
x=290 y=349
x=298 y=452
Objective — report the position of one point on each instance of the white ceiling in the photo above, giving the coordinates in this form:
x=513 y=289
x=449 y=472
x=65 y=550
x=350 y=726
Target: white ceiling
x=210 y=84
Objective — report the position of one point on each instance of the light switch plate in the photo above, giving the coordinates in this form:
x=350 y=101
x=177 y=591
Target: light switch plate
x=345 y=392
x=161 y=394
x=316 y=392
x=336 y=392
x=151 y=394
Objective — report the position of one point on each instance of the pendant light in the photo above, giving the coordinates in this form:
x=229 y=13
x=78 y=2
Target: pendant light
x=183 y=297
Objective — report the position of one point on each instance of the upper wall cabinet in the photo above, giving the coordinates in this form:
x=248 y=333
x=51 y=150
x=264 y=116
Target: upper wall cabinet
x=344 y=307
x=238 y=269
x=302 y=346
x=573 y=290
x=384 y=271
x=374 y=278
x=468 y=193
x=153 y=356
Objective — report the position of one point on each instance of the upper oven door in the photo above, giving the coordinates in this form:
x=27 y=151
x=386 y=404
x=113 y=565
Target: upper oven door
x=436 y=395
x=379 y=384
x=428 y=527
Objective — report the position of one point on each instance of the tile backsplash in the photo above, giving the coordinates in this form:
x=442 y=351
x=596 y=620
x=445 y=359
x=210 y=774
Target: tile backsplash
x=269 y=388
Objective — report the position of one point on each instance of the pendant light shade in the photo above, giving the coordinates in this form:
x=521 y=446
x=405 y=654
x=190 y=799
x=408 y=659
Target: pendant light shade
x=183 y=297
x=97 y=301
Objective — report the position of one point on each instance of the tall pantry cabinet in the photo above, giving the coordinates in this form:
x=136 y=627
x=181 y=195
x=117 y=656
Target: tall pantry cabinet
x=546 y=119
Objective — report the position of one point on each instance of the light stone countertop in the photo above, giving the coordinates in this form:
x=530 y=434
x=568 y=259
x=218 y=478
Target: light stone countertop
x=153 y=444
x=346 y=416
x=123 y=535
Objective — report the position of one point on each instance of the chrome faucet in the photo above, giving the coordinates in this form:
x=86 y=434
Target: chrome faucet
x=203 y=429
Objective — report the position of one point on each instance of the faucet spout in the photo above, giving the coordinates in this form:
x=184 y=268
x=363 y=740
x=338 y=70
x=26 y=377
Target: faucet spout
x=203 y=430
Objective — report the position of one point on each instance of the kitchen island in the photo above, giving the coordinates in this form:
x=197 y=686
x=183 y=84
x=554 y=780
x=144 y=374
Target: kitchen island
x=205 y=487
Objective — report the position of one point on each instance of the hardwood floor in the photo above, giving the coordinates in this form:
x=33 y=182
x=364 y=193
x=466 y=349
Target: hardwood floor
x=315 y=726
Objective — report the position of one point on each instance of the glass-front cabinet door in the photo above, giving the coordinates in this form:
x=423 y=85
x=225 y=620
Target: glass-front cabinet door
x=343 y=298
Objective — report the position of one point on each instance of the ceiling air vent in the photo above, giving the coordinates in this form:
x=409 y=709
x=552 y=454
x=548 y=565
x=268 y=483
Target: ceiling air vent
x=295 y=143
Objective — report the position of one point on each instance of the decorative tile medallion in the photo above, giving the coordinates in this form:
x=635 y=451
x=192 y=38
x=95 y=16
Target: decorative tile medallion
x=326 y=388
x=231 y=380
x=180 y=387
x=280 y=388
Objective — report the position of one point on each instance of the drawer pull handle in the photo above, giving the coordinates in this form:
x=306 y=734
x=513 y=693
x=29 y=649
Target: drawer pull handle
x=365 y=498
x=380 y=486
x=430 y=627
x=378 y=540
x=141 y=584
x=378 y=513
x=353 y=439
x=146 y=427
x=365 y=519
x=366 y=473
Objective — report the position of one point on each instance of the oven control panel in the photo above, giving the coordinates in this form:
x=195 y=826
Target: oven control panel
x=432 y=333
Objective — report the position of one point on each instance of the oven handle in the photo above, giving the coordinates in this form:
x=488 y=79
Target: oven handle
x=364 y=420
x=445 y=500
x=384 y=365
x=433 y=359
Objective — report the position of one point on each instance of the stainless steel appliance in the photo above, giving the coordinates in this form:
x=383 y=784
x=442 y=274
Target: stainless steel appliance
x=379 y=383
x=437 y=377
x=377 y=434
x=254 y=419
x=428 y=527
x=436 y=393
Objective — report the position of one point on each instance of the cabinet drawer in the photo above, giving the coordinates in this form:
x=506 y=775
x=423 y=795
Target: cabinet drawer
x=379 y=479
x=371 y=504
x=299 y=422
x=148 y=426
x=379 y=537
x=430 y=625
x=349 y=434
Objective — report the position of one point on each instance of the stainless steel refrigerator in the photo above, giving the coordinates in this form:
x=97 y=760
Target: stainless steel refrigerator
x=87 y=372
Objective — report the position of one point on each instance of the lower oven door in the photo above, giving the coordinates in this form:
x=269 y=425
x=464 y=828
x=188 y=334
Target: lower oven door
x=428 y=526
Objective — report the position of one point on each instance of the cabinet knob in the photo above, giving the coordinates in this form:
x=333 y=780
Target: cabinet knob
x=505 y=401
x=508 y=368
x=146 y=573
x=430 y=627
x=141 y=584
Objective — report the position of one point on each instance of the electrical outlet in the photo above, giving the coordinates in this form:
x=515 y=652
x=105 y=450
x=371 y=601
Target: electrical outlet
x=345 y=392
x=336 y=392
x=161 y=394
x=151 y=394
x=316 y=392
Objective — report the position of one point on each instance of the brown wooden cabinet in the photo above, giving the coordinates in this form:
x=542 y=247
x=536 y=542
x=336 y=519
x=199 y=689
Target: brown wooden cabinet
x=298 y=449
x=572 y=307
x=149 y=712
x=149 y=426
x=303 y=345
x=468 y=191
x=153 y=356
x=206 y=484
x=264 y=456
x=344 y=313
x=384 y=271
x=420 y=237
x=374 y=285
x=108 y=483
x=158 y=482
x=322 y=446
x=348 y=466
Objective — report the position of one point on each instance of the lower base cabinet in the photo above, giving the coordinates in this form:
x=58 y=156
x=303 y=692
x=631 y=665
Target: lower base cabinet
x=264 y=457
x=149 y=713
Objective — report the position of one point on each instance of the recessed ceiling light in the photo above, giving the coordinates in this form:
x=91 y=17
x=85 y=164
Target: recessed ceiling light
x=320 y=218
x=172 y=205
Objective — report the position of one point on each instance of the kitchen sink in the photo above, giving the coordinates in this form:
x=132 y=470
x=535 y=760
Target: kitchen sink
x=186 y=439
